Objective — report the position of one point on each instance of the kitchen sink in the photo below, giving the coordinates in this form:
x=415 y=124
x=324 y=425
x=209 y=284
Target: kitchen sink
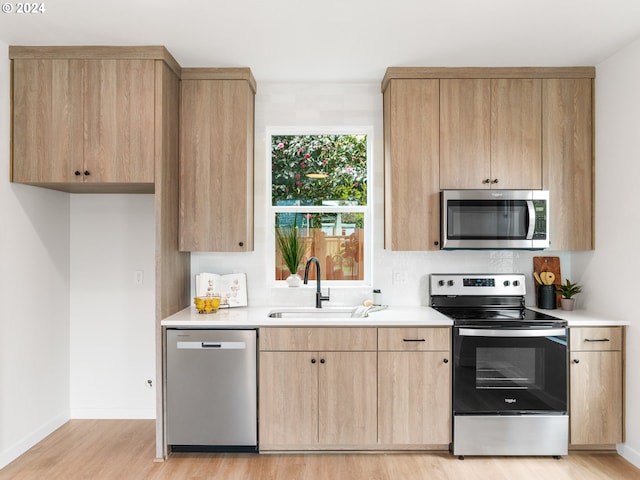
x=325 y=312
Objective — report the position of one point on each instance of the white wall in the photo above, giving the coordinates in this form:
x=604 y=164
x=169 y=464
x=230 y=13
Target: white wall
x=34 y=302
x=112 y=315
x=339 y=105
x=610 y=272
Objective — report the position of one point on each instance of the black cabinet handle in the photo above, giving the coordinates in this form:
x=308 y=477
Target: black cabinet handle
x=313 y=360
x=597 y=340
x=445 y=360
x=413 y=340
x=77 y=173
x=575 y=360
x=436 y=243
x=87 y=173
x=241 y=244
x=322 y=360
x=486 y=180
x=495 y=181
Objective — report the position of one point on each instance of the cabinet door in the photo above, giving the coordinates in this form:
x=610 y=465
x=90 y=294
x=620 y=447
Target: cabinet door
x=414 y=398
x=216 y=166
x=596 y=398
x=411 y=169
x=288 y=399
x=119 y=121
x=47 y=121
x=567 y=156
x=516 y=138
x=465 y=135
x=347 y=406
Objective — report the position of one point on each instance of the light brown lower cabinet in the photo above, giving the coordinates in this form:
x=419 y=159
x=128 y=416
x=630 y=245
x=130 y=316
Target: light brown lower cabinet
x=354 y=389
x=414 y=398
x=314 y=400
x=414 y=387
x=597 y=386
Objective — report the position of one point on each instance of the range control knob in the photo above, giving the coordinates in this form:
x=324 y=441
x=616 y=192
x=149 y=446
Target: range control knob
x=440 y=283
x=506 y=283
x=516 y=283
x=450 y=283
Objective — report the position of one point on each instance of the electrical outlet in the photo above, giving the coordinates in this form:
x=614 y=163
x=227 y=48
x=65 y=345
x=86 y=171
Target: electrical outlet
x=400 y=278
x=138 y=277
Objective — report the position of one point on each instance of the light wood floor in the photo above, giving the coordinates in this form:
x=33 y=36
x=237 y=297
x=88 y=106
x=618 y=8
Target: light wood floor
x=125 y=449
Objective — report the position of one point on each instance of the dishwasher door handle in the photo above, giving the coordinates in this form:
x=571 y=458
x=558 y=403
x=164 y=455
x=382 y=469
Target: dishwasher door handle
x=211 y=345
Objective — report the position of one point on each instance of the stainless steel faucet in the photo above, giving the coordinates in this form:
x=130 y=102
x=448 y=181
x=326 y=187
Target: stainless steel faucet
x=319 y=296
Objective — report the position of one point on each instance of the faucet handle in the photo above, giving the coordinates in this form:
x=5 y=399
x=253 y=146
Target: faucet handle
x=326 y=298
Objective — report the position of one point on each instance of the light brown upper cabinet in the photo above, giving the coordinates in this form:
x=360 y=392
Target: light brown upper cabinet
x=567 y=153
x=490 y=134
x=411 y=189
x=84 y=117
x=216 y=160
x=527 y=128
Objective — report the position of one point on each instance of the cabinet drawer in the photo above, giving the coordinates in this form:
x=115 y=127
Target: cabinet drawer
x=595 y=338
x=412 y=339
x=317 y=338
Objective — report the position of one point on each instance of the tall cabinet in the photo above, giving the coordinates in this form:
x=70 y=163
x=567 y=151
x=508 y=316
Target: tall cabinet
x=216 y=159
x=487 y=128
x=106 y=120
x=411 y=170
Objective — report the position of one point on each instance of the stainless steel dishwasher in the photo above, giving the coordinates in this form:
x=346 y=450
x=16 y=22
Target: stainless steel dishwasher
x=211 y=390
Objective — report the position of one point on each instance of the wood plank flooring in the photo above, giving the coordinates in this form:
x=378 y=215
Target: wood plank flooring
x=124 y=449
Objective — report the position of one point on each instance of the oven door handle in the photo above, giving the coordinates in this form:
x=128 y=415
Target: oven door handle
x=486 y=332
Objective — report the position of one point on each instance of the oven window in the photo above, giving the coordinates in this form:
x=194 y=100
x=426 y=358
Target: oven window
x=508 y=368
x=492 y=219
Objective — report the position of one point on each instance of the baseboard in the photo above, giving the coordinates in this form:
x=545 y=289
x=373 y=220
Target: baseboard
x=10 y=454
x=113 y=413
x=629 y=454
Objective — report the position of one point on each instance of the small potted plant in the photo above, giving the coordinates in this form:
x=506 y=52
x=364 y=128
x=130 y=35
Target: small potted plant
x=292 y=250
x=568 y=290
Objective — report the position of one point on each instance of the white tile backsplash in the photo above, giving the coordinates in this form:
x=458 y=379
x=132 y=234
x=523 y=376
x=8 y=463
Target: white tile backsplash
x=342 y=105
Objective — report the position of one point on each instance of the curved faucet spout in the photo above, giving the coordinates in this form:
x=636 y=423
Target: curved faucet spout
x=319 y=296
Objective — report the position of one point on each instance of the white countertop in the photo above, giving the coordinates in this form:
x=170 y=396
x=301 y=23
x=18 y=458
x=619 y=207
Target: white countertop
x=258 y=317
x=582 y=318
x=395 y=316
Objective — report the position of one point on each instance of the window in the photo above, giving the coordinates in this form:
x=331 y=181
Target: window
x=319 y=184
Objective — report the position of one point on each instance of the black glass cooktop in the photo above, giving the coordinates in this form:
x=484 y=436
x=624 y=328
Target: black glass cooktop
x=499 y=316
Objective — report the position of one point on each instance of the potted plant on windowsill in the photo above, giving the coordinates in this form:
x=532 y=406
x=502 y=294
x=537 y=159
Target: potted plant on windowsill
x=292 y=250
x=568 y=290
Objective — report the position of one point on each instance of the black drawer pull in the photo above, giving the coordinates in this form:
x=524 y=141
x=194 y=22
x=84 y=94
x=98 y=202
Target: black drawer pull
x=597 y=340
x=413 y=340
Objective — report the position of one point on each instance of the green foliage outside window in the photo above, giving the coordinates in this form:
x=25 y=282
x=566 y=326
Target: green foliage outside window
x=340 y=161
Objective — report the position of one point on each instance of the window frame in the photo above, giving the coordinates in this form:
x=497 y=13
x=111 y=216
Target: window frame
x=366 y=210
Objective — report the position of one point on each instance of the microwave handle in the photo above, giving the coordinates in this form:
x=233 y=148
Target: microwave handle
x=532 y=219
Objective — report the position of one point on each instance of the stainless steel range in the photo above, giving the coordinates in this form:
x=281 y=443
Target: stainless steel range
x=509 y=367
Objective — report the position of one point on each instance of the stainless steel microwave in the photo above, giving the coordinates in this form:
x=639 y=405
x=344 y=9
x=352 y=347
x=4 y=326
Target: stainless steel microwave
x=495 y=219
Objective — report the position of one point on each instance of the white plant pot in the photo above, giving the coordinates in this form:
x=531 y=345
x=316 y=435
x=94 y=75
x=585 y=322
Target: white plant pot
x=293 y=280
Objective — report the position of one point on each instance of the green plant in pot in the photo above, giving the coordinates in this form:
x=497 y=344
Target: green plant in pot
x=292 y=250
x=568 y=290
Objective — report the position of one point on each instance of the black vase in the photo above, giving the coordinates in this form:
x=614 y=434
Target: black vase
x=547 y=296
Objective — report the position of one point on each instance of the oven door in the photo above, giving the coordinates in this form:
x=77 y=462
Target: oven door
x=509 y=370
